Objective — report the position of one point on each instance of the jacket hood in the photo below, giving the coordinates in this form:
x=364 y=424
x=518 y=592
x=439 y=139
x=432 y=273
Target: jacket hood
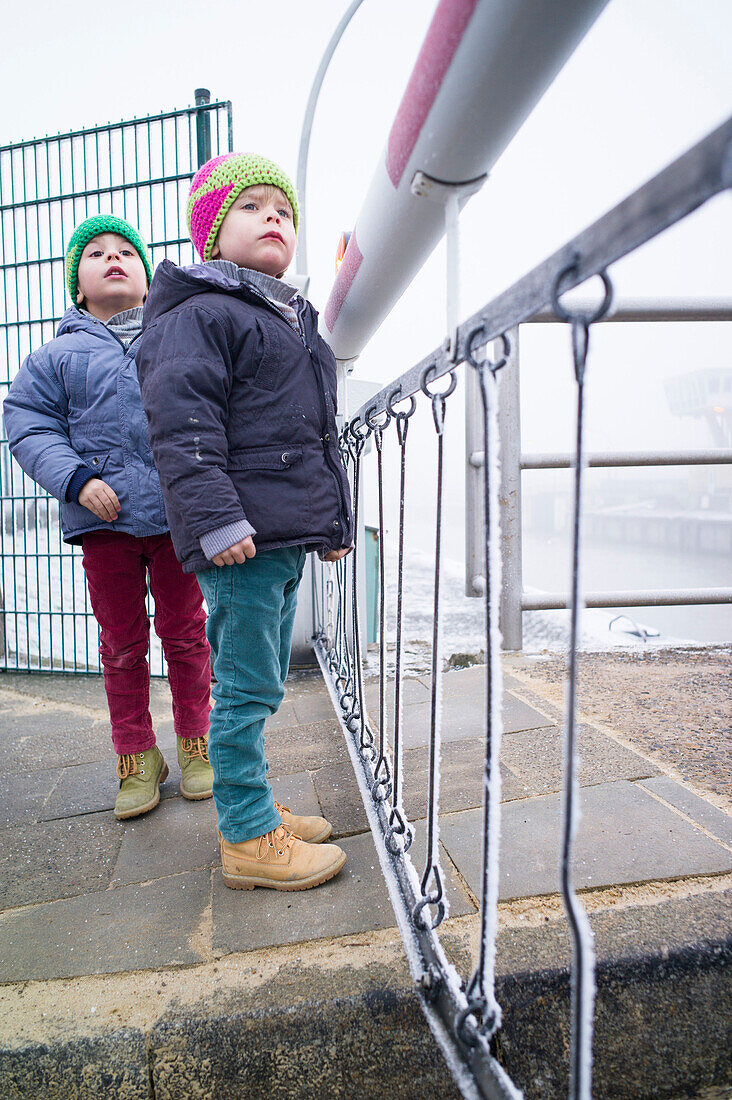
x=74 y=320
x=173 y=285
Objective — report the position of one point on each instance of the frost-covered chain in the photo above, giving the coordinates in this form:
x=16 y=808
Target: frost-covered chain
x=366 y=739
x=398 y=825
x=381 y=788
x=329 y=602
x=432 y=889
x=583 y=955
x=482 y=1003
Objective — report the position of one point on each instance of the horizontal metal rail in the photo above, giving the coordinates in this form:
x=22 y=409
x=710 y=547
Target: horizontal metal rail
x=661 y=597
x=610 y=459
x=650 y=309
x=697 y=176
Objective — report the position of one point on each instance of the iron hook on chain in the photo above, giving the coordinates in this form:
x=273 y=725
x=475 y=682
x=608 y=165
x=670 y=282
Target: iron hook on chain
x=580 y=320
x=371 y=422
x=493 y=365
x=438 y=398
x=394 y=398
x=398 y=827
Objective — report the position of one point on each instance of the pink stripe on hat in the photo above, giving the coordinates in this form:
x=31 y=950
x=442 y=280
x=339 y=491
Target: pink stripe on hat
x=203 y=173
x=205 y=212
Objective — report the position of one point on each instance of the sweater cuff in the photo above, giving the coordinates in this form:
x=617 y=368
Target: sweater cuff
x=78 y=480
x=215 y=542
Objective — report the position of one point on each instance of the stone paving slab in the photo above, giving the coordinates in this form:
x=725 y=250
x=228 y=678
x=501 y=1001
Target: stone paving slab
x=56 y=859
x=316 y=744
x=461 y=786
x=536 y=756
x=356 y=900
x=285 y=718
x=91 y=788
x=23 y=796
x=78 y=689
x=463 y=715
x=51 y=739
x=340 y=799
x=130 y=928
x=176 y=836
x=624 y=836
x=715 y=821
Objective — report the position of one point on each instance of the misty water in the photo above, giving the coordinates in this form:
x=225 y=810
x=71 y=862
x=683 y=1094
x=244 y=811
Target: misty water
x=614 y=566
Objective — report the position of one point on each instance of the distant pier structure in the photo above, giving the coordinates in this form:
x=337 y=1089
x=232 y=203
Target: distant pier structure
x=699 y=519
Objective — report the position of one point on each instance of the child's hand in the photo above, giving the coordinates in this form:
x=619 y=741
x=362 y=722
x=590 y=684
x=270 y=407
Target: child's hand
x=336 y=555
x=100 y=499
x=237 y=553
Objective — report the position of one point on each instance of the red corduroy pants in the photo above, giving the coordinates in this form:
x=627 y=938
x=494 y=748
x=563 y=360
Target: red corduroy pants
x=117 y=567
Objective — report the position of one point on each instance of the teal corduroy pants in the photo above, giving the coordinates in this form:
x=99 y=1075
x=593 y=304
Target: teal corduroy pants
x=251 y=611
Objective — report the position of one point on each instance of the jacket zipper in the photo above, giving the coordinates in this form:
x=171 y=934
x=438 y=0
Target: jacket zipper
x=321 y=393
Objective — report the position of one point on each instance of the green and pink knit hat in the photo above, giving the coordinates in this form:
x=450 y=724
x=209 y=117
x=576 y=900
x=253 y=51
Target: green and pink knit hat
x=94 y=227
x=217 y=184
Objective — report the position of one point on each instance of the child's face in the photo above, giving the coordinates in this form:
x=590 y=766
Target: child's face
x=111 y=276
x=258 y=232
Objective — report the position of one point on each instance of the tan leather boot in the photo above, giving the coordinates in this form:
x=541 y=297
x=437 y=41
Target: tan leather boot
x=279 y=860
x=313 y=830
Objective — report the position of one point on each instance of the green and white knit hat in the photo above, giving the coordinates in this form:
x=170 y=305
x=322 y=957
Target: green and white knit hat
x=87 y=231
x=217 y=184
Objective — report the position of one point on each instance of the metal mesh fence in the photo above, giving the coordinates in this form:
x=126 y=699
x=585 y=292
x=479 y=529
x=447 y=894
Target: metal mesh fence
x=139 y=170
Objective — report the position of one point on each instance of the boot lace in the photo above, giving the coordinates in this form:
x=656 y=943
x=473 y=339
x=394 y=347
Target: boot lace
x=280 y=839
x=195 y=747
x=130 y=763
x=282 y=809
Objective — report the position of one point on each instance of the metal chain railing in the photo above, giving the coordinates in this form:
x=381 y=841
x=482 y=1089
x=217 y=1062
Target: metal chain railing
x=464 y=1014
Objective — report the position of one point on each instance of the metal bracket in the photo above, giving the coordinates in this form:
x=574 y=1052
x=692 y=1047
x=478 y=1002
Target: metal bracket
x=453 y=197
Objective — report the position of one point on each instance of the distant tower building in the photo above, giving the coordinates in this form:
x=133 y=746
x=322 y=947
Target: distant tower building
x=705 y=393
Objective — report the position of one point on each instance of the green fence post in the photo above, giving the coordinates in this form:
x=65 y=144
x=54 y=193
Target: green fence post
x=203 y=126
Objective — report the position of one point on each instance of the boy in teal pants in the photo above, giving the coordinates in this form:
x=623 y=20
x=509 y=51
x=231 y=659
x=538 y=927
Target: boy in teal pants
x=240 y=393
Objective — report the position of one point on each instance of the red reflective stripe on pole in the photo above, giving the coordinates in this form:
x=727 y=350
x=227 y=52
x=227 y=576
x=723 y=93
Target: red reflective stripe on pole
x=443 y=38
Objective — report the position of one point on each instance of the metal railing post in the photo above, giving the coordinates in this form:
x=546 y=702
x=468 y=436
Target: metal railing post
x=509 y=428
x=203 y=126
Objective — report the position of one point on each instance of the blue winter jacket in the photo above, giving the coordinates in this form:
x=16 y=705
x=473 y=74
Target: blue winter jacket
x=241 y=410
x=76 y=402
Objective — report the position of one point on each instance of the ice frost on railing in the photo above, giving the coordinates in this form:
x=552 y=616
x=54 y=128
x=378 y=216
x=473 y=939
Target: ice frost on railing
x=463 y=1018
x=464 y=1015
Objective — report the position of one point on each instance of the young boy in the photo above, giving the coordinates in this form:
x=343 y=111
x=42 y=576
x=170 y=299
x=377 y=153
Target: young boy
x=239 y=391
x=76 y=425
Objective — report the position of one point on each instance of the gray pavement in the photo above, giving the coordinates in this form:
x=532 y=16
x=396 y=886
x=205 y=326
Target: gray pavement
x=84 y=895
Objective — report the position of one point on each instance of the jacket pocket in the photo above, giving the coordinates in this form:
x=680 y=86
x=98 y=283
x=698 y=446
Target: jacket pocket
x=268 y=458
x=268 y=368
x=95 y=460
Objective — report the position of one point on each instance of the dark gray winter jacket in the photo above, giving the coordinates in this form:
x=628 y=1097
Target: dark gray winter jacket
x=241 y=412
